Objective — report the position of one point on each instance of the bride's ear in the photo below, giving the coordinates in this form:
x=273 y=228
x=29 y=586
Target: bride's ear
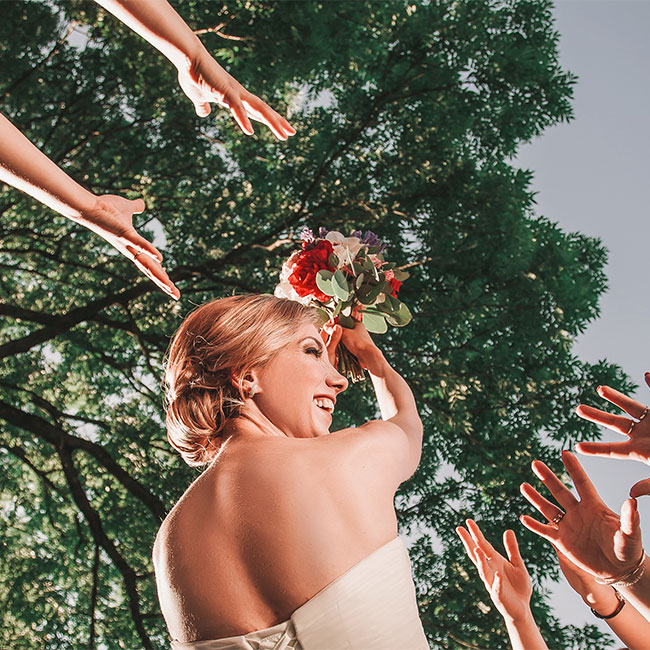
x=247 y=383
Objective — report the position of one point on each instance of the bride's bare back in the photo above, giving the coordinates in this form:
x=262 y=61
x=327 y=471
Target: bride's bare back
x=265 y=528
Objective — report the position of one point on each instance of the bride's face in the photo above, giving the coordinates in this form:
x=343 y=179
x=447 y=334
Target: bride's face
x=299 y=386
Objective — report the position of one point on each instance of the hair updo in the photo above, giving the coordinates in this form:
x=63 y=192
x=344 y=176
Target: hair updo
x=221 y=340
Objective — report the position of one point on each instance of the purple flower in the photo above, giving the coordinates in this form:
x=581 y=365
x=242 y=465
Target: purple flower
x=371 y=240
x=322 y=232
x=308 y=240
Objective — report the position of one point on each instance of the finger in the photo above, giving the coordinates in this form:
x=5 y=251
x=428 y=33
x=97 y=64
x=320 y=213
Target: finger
x=288 y=129
x=136 y=244
x=239 y=113
x=269 y=117
x=137 y=206
x=647 y=379
x=616 y=423
x=512 y=548
x=629 y=405
x=560 y=491
x=484 y=568
x=496 y=590
x=468 y=543
x=619 y=450
x=545 y=507
x=157 y=274
x=335 y=337
x=262 y=112
x=202 y=109
x=641 y=488
x=583 y=484
x=548 y=532
x=479 y=538
x=629 y=517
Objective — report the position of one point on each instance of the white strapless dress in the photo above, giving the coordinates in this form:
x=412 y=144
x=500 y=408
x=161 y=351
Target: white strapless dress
x=372 y=606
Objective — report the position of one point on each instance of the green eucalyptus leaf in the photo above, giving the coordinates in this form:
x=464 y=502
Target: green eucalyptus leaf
x=346 y=321
x=324 y=282
x=374 y=323
x=340 y=286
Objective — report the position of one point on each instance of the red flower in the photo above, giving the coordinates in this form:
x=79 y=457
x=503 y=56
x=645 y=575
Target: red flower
x=307 y=265
x=395 y=284
x=393 y=281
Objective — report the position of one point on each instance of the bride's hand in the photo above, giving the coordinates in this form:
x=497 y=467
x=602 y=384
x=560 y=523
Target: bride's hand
x=205 y=81
x=111 y=217
x=637 y=446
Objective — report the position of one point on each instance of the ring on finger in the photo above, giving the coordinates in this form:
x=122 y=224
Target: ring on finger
x=629 y=431
x=645 y=412
x=558 y=517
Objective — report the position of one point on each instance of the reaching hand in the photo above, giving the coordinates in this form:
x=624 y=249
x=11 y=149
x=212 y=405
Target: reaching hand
x=587 y=532
x=507 y=581
x=112 y=218
x=205 y=81
x=637 y=446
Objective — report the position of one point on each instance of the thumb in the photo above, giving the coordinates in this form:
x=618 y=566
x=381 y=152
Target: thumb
x=640 y=489
x=138 y=206
x=629 y=517
x=202 y=109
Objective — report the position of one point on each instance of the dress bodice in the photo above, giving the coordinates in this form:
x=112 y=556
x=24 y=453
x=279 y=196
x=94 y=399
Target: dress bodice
x=372 y=606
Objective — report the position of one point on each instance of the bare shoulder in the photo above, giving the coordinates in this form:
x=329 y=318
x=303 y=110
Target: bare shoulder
x=378 y=448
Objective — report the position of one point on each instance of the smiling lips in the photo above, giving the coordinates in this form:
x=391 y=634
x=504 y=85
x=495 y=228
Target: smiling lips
x=325 y=403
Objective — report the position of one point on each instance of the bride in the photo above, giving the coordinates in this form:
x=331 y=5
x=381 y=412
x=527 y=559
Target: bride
x=289 y=538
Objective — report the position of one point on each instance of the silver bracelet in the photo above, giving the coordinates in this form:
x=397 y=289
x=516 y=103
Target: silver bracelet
x=628 y=579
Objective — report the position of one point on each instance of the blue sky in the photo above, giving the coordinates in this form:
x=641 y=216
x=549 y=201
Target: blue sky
x=592 y=176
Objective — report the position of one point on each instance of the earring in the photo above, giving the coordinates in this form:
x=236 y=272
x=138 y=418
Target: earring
x=252 y=390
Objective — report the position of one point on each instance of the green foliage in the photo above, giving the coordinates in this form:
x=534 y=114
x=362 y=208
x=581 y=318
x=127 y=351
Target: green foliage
x=407 y=115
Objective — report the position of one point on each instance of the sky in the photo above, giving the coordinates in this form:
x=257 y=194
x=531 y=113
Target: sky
x=592 y=175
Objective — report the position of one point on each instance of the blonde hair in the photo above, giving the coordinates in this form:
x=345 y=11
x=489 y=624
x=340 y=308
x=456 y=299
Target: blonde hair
x=217 y=345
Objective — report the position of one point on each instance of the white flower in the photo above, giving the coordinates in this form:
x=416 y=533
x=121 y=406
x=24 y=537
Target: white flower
x=345 y=248
x=284 y=289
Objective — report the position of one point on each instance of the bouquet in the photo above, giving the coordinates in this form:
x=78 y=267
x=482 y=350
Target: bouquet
x=346 y=279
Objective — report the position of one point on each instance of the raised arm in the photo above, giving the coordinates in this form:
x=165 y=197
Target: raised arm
x=200 y=77
x=394 y=397
x=26 y=168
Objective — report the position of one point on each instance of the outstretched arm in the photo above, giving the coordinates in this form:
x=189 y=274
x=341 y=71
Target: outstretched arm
x=507 y=582
x=26 y=168
x=200 y=77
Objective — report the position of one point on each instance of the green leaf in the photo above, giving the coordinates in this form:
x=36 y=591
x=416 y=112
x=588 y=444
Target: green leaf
x=347 y=322
x=323 y=315
x=401 y=317
x=333 y=260
x=375 y=323
x=401 y=275
x=340 y=286
x=360 y=278
x=324 y=282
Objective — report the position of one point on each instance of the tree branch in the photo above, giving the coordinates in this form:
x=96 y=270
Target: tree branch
x=99 y=535
x=61 y=439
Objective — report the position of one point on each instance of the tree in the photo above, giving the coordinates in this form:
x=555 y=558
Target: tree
x=408 y=115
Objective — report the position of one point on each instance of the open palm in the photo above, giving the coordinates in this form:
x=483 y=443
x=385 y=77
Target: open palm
x=586 y=531
x=112 y=218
